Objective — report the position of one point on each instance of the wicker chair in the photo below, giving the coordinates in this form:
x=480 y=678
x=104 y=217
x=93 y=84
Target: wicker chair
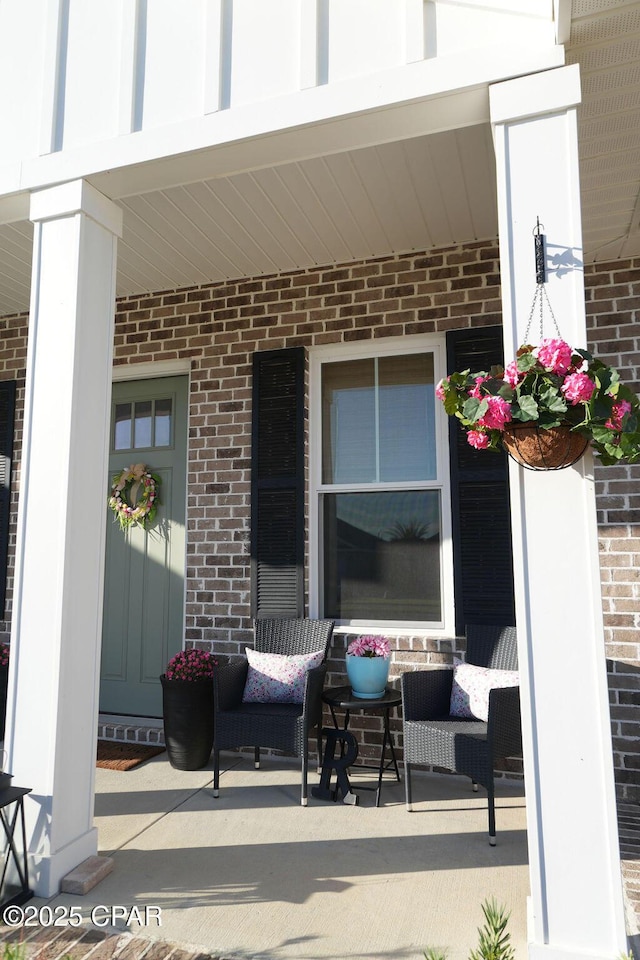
x=280 y=726
x=470 y=747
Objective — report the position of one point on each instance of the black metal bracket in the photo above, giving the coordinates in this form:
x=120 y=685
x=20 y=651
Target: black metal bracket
x=539 y=241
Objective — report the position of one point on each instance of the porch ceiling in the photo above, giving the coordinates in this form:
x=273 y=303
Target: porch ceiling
x=411 y=194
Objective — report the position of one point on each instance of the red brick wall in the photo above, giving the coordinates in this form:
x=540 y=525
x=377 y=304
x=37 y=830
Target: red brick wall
x=217 y=328
x=13 y=362
x=613 y=316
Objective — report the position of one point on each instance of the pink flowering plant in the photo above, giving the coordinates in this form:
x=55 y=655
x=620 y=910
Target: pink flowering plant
x=191 y=664
x=4 y=654
x=369 y=646
x=548 y=385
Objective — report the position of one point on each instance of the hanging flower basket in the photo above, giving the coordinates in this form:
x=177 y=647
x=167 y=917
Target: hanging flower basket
x=537 y=449
x=546 y=406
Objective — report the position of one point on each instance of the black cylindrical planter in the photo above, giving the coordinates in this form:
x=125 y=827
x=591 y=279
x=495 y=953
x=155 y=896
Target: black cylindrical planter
x=187 y=710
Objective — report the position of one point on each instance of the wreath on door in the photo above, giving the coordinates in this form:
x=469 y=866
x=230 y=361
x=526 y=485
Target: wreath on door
x=134 y=496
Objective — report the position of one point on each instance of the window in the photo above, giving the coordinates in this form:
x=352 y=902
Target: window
x=142 y=424
x=378 y=508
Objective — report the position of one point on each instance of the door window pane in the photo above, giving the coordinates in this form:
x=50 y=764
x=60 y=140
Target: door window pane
x=143 y=422
x=122 y=427
x=382 y=555
x=163 y=423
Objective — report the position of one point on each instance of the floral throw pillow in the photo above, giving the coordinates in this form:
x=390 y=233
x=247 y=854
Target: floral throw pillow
x=275 y=678
x=471 y=686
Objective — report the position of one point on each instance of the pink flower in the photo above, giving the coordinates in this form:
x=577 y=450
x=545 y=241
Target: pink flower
x=555 y=355
x=478 y=439
x=512 y=375
x=192 y=664
x=578 y=388
x=475 y=391
x=440 y=389
x=497 y=415
x=618 y=413
x=369 y=646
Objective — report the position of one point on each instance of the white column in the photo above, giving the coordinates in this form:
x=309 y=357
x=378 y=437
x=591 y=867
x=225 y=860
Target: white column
x=57 y=614
x=576 y=905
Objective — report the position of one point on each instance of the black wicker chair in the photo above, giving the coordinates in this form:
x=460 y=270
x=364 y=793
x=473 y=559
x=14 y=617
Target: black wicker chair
x=279 y=726
x=470 y=747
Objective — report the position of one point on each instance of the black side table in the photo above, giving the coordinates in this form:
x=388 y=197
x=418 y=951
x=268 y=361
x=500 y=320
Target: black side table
x=12 y=892
x=342 y=698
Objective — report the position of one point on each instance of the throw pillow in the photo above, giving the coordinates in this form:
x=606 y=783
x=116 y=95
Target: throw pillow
x=275 y=678
x=471 y=686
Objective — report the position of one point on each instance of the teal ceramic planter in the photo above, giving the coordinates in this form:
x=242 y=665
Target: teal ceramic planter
x=368 y=676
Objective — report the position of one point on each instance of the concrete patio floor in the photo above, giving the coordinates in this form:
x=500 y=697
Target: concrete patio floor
x=255 y=875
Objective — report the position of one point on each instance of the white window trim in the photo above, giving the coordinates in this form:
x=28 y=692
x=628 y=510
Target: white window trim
x=338 y=352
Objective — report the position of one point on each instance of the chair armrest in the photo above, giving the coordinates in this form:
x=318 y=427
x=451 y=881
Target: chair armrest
x=504 y=729
x=228 y=683
x=426 y=694
x=314 y=683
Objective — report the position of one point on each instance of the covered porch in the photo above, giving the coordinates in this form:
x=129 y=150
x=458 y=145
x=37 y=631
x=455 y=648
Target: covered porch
x=330 y=180
x=254 y=875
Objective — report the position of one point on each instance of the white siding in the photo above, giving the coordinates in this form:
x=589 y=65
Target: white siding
x=90 y=83
x=171 y=53
x=74 y=73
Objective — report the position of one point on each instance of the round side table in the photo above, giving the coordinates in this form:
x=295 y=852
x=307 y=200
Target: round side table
x=342 y=698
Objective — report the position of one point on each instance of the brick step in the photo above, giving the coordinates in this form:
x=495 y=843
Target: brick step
x=130 y=729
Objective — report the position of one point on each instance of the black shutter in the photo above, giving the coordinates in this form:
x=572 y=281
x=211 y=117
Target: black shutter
x=7 y=411
x=277 y=484
x=482 y=550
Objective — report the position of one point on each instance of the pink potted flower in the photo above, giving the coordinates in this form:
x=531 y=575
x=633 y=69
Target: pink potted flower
x=368 y=661
x=187 y=707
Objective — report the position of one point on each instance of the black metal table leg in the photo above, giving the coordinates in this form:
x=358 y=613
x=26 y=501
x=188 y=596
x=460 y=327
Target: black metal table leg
x=342 y=698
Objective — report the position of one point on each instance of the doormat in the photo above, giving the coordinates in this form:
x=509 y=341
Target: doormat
x=124 y=756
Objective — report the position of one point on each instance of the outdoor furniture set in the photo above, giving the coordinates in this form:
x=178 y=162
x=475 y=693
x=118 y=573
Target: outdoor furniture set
x=461 y=720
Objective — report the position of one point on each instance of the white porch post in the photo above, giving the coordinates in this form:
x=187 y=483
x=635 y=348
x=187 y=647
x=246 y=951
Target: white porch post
x=576 y=906
x=55 y=649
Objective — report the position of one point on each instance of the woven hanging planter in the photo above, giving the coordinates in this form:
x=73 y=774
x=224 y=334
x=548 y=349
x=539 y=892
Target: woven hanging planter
x=538 y=449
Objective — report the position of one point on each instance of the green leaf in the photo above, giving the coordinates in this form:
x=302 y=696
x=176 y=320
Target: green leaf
x=553 y=401
x=451 y=402
x=474 y=409
x=526 y=362
x=548 y=420
x=493 y=386
x=529 y=408
x=584 y=354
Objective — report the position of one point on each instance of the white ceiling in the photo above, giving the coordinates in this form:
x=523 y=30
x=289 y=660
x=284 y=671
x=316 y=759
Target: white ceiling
x=413 y=194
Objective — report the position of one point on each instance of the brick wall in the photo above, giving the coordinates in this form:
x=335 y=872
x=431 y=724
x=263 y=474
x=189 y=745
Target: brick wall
x=13 y=361
x=613 y=316
x=218 y=327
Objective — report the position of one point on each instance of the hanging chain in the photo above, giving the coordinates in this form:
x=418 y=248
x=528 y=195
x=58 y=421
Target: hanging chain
x=541 y=296
x=553 y=316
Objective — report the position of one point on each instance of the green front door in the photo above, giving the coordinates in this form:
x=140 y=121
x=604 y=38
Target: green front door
x=143 y=623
